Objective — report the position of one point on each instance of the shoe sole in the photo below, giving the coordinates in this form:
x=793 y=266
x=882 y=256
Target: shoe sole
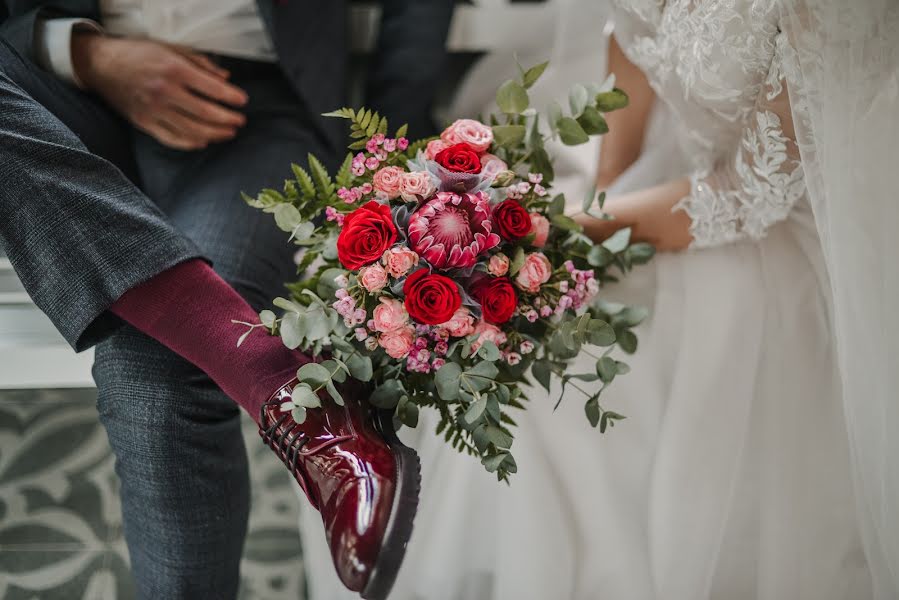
x=402 y=515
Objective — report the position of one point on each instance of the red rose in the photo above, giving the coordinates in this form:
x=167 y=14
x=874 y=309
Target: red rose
x=512 y=221
x=367 y=232
x=460 y=158
x=431 y=299
x=497 y=297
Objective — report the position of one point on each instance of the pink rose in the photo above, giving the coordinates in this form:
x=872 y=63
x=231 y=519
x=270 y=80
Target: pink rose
x=468 y=131
x=461 y=323
x=398 y=342
x=535 y=272
x=540 y=229
x=434 y=148
x=389 y=180
x=373 y=278
x=399 y=261
x=498 y=265
x=418 y=183
x=390 y=315
x=488 y=333
x=491 y=166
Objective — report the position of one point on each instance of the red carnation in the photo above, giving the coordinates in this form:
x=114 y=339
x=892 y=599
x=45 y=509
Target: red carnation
x=431 y=299
x=367 y=233
x=497 y=297
x=459 y=158
x=511 y=220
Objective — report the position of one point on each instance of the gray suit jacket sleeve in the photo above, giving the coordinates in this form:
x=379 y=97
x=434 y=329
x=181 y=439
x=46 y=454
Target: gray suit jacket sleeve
x=409 y=61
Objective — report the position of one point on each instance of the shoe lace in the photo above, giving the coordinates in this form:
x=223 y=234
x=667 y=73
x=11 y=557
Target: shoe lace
x=289 y=448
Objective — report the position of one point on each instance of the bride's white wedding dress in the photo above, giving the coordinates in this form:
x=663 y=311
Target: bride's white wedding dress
x=730 y=479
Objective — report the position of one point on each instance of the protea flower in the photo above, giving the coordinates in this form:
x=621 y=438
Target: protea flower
x=452 y=230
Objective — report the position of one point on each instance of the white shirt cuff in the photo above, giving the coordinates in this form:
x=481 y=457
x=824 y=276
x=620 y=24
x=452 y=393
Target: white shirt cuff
x=53 y=45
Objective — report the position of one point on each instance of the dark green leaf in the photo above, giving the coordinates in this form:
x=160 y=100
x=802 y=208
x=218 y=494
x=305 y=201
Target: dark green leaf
x=593 y=122
x=600 y=333
x=606 y=368
x=542 y=371
x=448 y=380
x=591 y=408
x=627 y=341
x=531 y=76
x=613 y=100
x=388 y=394
x=571 y=133
x=509 y=136
x=476 y=411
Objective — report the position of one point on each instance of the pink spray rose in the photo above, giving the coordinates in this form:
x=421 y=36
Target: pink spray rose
x=417 y=184
x=471 y=132
x=390 y=315
x=534 y=273
x=461 y=323
x=398 y=342
x=389 y=180
x=498 y=265
x=487 y=333
x=373 y=278
x=491 y=166
x=434 y=148
x=399 y=260
x=540 y=229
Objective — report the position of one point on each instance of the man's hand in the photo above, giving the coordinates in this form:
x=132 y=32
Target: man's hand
x=177 y=96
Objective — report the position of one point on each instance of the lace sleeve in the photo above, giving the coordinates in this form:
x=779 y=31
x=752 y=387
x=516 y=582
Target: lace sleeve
x=758 y=184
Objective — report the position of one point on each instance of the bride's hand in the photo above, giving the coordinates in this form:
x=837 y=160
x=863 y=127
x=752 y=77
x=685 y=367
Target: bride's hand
x=649 y=214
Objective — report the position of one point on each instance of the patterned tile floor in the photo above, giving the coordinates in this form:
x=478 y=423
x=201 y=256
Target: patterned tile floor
x=60 y=520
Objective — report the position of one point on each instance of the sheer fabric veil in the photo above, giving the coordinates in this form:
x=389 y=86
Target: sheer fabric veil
x=845 y=97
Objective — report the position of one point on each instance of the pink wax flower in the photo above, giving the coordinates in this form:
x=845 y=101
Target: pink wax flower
x=390 y=145
x=373 y=278
x=402 y=144
x=540 y=229
x=437 y=363
x=415 y=185
x=535 y=272
x=468 y=131
x=331 y=214
x=491 y=166
x=526 y=347
x=361 y=334
x=372 y=163
x=391 y=315
x=397 y=342
x=513 y=358
x=452 y=230
x=389 y=181
x=461 y=324
x=488 y=333
x=434 y=148
x=498 y=265
x=399 y=260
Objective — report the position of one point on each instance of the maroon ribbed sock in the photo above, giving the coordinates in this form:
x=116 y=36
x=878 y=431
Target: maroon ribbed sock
x=189 y=309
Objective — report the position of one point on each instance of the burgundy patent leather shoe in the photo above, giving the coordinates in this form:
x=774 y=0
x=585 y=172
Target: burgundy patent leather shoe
x=361 y=478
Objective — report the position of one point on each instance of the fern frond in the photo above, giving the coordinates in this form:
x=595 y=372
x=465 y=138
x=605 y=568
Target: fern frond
x=307 y=187
x=322 y=179
x=344 y=177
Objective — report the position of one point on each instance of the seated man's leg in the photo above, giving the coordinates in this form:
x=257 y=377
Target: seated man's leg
x=185 y=494
x=77 y=231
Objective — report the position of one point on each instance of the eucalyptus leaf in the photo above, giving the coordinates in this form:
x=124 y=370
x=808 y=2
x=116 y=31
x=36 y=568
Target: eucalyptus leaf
x=299 y=415
x=565 y=222
x=493 y=462
x=267 y=318
x=327 y=286
x=593 y=122
x=571 y=133
x=360 y=366
x=509 y=135
x=612 y=100
x=287 y=217
x=304 y=396
x=606 y=368
x=476 y=411
x=517 y=261
x=627 y=341
x=314 y=374
x=531 y=76
x=554 y=115
x=388 y=394
x=632 y=316
x=489 y=352
x=542 y=372
x=592 y=410
x=578 y=99
x=498 y=437
x=641 y=253
x=598 y=256
x=448 y=380
x=332 y=391
x=291 y=331
x=600 y=333
x=512 y=98
x=618 y=241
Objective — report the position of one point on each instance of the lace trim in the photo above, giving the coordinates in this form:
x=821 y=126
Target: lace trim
x=768 y=185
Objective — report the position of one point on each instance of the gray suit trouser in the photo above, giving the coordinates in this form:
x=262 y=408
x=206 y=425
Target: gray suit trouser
x=88 y=209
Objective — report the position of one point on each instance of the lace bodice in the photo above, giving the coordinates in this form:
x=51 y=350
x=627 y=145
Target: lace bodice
x=723 y=67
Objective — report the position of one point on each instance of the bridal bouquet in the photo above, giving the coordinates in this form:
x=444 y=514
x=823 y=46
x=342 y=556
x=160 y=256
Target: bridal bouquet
x=443 y=271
